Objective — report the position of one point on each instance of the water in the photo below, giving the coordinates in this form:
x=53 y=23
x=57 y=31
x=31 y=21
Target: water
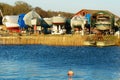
x=38 y=62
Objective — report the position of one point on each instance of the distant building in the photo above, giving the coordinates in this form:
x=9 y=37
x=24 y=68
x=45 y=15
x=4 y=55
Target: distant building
x=83 y=12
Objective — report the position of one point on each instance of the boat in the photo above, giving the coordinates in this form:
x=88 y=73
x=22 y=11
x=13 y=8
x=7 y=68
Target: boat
x=100 y=43
x=32 y=18
x=103 y=24
x=58 y=24
x=78 y=21
x=11 y=22
x=105 y=43
x=21 y=21
x=89 y=43
x=103 y=21
x=77 y=24
x=48 y=21
x=58 y=20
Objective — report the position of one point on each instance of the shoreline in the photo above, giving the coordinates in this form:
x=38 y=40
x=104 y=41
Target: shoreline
x=55 y=40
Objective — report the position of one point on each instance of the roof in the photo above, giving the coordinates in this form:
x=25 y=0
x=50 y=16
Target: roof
x=90 y=11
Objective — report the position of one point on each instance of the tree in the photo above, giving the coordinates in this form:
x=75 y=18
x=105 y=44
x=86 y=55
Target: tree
x=6 y=9
x=21 y=7
x=41 y=12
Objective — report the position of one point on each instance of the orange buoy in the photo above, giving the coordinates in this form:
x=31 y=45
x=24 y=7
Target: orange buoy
x=70 y=73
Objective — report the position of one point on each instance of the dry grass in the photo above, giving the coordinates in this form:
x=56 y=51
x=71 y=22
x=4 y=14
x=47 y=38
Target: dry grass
x=118 y=42
x=56 y=40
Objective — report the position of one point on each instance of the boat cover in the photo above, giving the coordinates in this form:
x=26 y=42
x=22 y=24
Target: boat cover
x=29 y=16
x=21 y=21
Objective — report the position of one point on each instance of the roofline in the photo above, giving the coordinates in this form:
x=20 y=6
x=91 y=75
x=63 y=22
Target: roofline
x=116 y=16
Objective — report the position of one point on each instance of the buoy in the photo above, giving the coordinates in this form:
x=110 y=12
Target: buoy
x=70 y=74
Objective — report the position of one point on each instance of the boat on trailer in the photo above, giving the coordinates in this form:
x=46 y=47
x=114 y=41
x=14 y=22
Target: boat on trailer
x=11 y=22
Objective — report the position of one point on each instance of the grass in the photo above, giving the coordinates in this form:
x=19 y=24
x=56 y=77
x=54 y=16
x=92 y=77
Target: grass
x=56 y=40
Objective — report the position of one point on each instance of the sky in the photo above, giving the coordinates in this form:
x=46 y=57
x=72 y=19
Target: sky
x=72 y=6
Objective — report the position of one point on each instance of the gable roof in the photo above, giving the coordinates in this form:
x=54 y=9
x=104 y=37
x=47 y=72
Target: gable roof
x=90 y=11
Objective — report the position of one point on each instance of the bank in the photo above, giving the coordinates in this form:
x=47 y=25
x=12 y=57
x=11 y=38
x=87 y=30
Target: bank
x=59 y=40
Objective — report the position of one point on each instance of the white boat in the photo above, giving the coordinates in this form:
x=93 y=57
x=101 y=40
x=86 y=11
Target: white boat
x=103 y=26
x=105 y=43
x=32 y=18
x=58 y=24
x=100 y=43
x=103 y=22
x=89 y=43
x=10 y=21
x=48 y=21
x=78 y=21
x=58 y=20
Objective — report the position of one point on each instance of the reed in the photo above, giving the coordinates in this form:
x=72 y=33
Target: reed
x=118 y=41
x=56 y=40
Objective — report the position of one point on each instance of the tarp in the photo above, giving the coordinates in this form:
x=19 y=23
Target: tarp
x=21 y=21
x=88 y=17
x=29 y=16
x=46 y=22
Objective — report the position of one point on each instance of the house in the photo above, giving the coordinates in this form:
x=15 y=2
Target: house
x=83 y=12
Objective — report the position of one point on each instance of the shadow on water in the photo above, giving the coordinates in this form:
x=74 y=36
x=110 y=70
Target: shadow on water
x=36 y=62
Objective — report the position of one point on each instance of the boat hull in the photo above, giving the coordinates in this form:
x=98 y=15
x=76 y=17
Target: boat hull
x=58 y=20
x=77 y=22
x=48 y=21
x=102 y=27
x=13 y=29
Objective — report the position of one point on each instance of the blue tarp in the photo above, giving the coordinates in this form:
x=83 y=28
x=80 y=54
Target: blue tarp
x=21 y=21
x=88 y=17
